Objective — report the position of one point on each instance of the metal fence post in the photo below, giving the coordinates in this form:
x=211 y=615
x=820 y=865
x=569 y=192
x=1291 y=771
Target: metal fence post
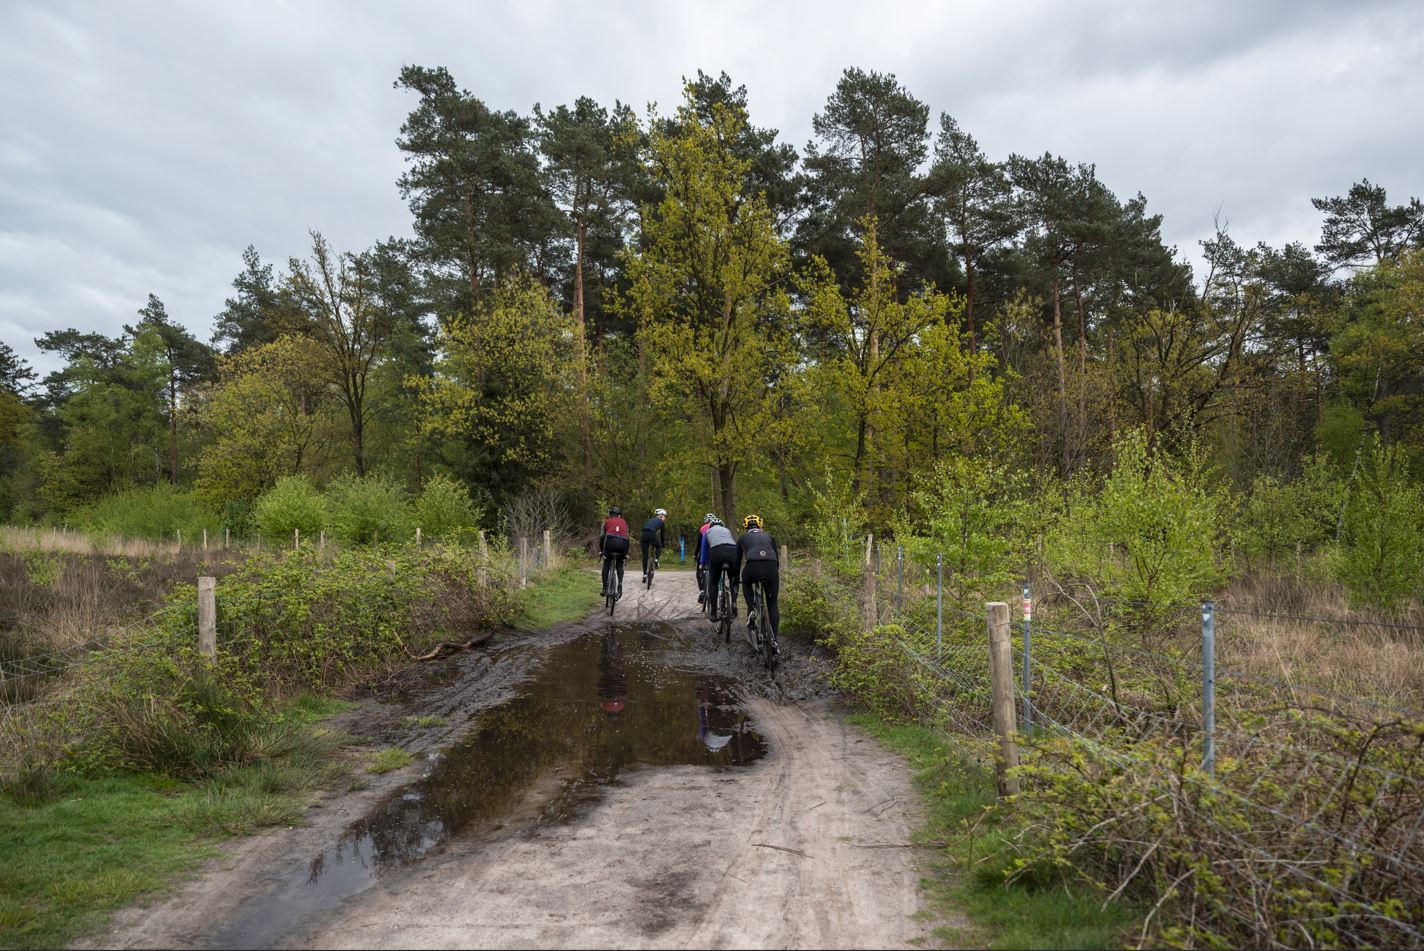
x=939 y=606
x=1209 y=688
x=1027 y=668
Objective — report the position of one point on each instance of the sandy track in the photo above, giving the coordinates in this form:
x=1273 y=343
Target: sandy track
x=805 y=848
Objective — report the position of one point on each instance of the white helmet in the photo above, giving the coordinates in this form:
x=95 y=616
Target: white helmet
x=661 y=512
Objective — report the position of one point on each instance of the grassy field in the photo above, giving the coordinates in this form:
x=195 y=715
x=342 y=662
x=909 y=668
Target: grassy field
x=969 y=869
x=96 y=844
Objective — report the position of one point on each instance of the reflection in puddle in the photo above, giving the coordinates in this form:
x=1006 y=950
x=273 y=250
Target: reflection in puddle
x=599 y=705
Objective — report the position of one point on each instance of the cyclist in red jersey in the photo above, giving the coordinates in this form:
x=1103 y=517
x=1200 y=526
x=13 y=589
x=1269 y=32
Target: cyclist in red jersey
x=613 y=546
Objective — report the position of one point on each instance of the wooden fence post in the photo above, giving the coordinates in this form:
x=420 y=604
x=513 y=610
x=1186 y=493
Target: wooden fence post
x=227 y=537
x=205 y=541
x=484 y=559
x=785 y=553
x=1001 y=668
x=868 y=611
x=321 y=542
x=523 y=561
x=417 y=537
x=208 y=616
x=548 y=549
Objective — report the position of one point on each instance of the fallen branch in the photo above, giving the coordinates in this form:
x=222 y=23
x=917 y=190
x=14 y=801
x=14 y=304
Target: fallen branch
x=440 y=646
x=781 y=848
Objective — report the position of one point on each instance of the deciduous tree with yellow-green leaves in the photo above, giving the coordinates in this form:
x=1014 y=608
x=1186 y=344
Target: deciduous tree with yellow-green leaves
x=708 y=290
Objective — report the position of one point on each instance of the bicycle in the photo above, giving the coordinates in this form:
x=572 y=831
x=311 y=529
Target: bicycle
x=611 y=593
x=724 y=609
x=648 y=575
x=759 y=632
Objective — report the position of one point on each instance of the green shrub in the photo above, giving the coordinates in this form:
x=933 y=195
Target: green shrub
x=1381 y=554
x=293 y=504
x=1149 y=537
x=445 y=510
x=301 y=622
x=809 y=609
x=369 y=511
x=159 y=708
x=1277 y=516
x=155 y=512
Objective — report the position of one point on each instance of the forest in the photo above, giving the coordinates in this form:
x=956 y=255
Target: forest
x=680 y=309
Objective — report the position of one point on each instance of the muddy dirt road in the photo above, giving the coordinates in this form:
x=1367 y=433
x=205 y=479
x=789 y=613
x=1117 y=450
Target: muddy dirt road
x=625 y=783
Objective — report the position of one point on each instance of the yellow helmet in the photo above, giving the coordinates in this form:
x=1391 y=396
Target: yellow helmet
x=751 y=520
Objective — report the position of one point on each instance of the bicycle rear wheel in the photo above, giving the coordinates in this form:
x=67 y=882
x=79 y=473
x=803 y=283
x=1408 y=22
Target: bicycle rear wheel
x=724 y=612
x=770 y=655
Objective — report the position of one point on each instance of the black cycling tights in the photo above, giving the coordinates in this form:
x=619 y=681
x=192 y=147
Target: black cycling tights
x=657 y=552
x=768 y=574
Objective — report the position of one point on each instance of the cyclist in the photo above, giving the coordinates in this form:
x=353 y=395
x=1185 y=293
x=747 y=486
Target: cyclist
x=719 y=554
x=653 y=537
x=697 y=562
x=613 y=546
x=757 y=561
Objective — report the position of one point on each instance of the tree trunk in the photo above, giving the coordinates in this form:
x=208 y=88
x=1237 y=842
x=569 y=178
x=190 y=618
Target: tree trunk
x=1062 y=369
x=1082 y=359
x=581 y=353
x=173 y=429
x=969 y=310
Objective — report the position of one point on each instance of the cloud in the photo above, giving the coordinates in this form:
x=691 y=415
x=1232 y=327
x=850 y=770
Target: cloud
x=143 y=145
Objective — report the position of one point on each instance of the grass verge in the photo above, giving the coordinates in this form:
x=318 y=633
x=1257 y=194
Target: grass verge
x=566 y=594
x=94 y=845
x=969 y=868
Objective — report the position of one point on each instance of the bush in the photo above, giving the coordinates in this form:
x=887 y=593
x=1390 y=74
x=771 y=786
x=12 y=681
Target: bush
x=1381 y=555
x=810 y=610
x=1149 y=537
x=445 y=510
x=369 y=511
x=1277 y=516
x=156 y=512
x=293 y=504
x=299 y=622
x=161 y=708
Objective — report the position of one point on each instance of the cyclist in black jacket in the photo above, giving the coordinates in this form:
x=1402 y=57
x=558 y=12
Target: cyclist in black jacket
x=653 y=537
x=757 y=561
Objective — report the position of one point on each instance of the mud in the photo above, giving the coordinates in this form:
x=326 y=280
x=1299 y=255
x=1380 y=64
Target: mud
x=623 y=783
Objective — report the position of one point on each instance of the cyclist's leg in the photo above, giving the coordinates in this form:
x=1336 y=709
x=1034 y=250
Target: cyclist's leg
x=603 y=575
x=620 y=556
x=770 y=586
x=645 y=545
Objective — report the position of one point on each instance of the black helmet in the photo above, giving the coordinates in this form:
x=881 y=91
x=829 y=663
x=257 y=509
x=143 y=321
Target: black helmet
x=614 y=511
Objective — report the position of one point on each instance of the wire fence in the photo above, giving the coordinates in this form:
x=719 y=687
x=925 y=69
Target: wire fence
x=1270 y=810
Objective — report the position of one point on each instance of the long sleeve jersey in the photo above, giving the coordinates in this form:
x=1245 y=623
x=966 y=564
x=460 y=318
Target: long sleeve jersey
x=614 y=526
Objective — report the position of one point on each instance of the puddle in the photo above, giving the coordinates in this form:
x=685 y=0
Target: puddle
x=598 y=706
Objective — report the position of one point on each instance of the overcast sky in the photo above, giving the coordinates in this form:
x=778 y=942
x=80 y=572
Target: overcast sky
x=143 y=145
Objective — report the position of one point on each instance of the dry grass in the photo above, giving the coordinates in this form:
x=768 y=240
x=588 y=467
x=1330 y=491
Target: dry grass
x=1348 y=653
